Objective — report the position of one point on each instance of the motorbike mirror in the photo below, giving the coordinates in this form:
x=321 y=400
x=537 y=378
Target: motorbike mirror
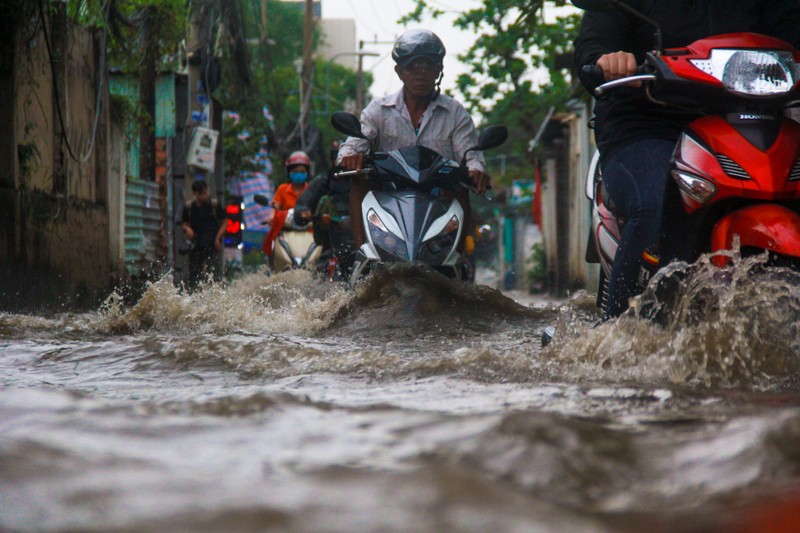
x=260 y=199
x=348 y=124
x=491 y=137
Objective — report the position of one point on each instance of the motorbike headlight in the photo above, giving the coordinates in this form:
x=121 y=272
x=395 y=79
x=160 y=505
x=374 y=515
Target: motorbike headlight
x=752 y=72
x=444 y=239
x=383 y=238
x=698 y=189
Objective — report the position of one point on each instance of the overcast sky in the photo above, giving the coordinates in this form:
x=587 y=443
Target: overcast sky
x=377 y=20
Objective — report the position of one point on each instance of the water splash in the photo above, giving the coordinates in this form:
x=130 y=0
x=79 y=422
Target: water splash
x=697 y=323
x=292 y=302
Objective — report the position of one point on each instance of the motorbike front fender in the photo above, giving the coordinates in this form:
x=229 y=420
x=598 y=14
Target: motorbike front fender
x=765 y=226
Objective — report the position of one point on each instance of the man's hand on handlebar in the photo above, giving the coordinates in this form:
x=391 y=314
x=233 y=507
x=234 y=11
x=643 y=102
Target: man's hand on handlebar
x=617 y=65
x=353 y=162
x=480 y=180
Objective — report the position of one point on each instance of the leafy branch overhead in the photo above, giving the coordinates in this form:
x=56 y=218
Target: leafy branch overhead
x=248 y=50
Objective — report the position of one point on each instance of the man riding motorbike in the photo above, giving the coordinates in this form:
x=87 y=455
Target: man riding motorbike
x=636 y=136
x=417 y=114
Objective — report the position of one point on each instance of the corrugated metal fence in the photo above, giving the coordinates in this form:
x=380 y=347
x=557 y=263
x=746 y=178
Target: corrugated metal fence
x=142 y=225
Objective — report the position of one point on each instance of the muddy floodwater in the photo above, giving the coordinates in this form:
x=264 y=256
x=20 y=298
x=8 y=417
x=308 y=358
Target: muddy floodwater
x=408 y=404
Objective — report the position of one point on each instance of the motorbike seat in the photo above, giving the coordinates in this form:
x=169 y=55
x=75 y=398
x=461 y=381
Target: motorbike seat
x=606 y=197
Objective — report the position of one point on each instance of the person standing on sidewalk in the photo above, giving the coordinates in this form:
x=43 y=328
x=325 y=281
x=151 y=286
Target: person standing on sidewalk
x=203 y=224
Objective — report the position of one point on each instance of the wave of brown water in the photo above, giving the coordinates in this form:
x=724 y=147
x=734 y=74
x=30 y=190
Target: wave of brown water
x=409 y=404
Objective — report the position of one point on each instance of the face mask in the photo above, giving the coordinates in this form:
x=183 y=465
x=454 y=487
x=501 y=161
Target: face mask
x=298 y=178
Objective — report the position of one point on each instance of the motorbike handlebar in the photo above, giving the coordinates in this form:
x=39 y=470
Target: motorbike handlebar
x=352 y=173
x=594 y=75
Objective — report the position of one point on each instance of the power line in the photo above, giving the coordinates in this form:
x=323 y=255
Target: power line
x=355 y=12
x=378 y=18
x=101 y=82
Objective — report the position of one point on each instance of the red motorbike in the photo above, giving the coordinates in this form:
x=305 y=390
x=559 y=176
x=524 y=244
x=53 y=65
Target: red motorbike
x=738 y=166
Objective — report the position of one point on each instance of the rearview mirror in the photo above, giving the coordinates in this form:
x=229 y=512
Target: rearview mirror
x=348 y=124
x=260 y=199
x=492 y=137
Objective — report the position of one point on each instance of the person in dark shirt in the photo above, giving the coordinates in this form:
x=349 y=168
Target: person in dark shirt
x=636 y=137
x=327 y=195
x=203 y=224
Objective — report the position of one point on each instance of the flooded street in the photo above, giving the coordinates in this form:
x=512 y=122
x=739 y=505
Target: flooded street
x=408 y=404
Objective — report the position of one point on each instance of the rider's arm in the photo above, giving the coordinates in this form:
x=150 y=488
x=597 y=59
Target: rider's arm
x=310 y=198
x=605 y=34
x=370 y=120
x=465 y=136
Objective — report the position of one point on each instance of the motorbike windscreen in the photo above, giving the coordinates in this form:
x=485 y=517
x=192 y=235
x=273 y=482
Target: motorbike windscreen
x=417 y=164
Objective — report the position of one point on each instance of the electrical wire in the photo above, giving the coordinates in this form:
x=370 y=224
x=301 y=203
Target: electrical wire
x=101 y=83
x=378 y=18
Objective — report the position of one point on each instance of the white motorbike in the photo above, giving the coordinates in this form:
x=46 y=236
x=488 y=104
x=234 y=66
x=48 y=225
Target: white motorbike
x=406 y=219
x=294 y=247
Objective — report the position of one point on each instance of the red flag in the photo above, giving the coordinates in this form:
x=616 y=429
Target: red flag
x=536 y=204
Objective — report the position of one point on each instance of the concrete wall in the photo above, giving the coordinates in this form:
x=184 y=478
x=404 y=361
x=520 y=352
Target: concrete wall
x=567 y=150
x=54 y=240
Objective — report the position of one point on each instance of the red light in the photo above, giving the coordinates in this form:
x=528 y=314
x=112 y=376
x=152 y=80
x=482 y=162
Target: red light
x=232 y=226
x=233 y=209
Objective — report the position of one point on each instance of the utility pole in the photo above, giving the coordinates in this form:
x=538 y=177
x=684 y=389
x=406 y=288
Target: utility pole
x=360 y=72
x=264 y=21
x=307 y=73
x=147 y=90
x=360 y=77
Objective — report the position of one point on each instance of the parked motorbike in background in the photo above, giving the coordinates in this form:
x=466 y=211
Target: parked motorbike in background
x=407 y=219
x=737 y=167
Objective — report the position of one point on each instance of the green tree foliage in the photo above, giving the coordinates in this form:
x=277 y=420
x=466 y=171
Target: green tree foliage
x=140 y=37
x=135 y=29
x=258 y=44
x=512 y=78
x=275 y=53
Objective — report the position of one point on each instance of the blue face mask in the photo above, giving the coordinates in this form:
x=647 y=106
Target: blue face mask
x=298 y=178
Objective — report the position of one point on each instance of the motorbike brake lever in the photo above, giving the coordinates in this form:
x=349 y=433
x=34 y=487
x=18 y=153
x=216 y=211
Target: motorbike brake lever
x=595 y=76
x=352 y=173
x=601 y=90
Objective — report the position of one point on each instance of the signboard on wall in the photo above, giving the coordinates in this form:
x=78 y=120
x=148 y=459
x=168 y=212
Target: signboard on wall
x=202 y=149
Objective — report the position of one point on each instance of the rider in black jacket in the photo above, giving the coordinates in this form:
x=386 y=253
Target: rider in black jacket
x=329 y=195
x=636 y=137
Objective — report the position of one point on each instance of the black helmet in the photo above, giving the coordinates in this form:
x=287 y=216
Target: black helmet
x=418 y=43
